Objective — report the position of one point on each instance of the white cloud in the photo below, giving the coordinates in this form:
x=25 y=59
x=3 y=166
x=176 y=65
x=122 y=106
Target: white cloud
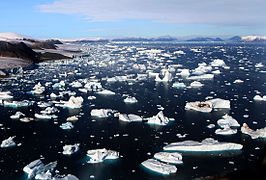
x=215 y=12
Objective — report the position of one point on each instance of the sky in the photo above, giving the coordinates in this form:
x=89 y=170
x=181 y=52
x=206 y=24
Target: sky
x=132 y=18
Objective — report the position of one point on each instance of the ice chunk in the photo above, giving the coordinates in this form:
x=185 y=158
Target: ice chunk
x=44 y=176
x=205 y=107
x=17 y=104
x=259 y=65
x=38 y=89
x=178 y=85
x=169 y=157
x=208 y=144
x=201 y=77
x=159 y=167
x=216 y=72
x=67 y=125
x=53 y=95
x=217 y=63
x=93 y=86
x=219 y=103
x=72 y=118
x=129 y=117
x=38 y=168
x=238 y=81
x=5 y=95
x=70 y=149
x=99 y=155
x=67 y=177
x=72 y=103
x=196 y=84
x=130 y=99
x=227 y=121
x=184 y=72
x=91 y=97
x=158 y=119
x=167 y=76
x=259 y=98
x=9 y=142
x=106 y=92
x=226 y=131
x=259 y=133
x=45 y=116
x=76 y=84
x=102 y=113
x=50 y=110
x=17 y=115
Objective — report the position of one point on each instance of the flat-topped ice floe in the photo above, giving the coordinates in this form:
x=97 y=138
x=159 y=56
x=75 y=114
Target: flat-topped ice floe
x=17 y=104
x=106 y=92
x=159 y=167
x=219 y=103
x=226 y=131
x=207 y=145
x=17 y=115
x=9 y=142
x=67 y=125
x=228 y=121
x=72 y=103
x=196 y=84
x=99 y=155
x=129 y=117
x=254 y=134
x=169 y=157
x=130 y=99
x=70 y=149
x=259 y=98
x=201 y=77
x=102 y=113
x=178 y=85
x=158 y=119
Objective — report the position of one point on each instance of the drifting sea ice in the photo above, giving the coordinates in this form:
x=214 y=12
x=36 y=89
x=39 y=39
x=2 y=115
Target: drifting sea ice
x=218 y=63
x=129 y=117
x=130 y=99
x=102 y=113
x=17 y=104
x=169 y=157
x=208 y=144
x=17 y=115
x=259 y=98
x=72 y=103
x=226 y=131
x=67 y=125
x=178 y=85
x=205 y=107
x=219 y=103
x=67 y=177
x=45 y=116
x=254 y=134
x=106 y=92
x=201 y=77
x=158 y=119
x=159 y=167
x=167 y=76
x=38 y=89
x=196 y=84
x=70 y=149
x=5 y=95
x=99 y=155
x=227 y=121
x=9 y=142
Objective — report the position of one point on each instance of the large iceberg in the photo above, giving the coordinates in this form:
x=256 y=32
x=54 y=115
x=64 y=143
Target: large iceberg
x=99 y=155
x=169 y=157
x=254 y=134
x=129 y=117
x=207 y=145
x=37 y=168
x=102 y=113
x=159 y=167
x=9 y=142
x=158 y=119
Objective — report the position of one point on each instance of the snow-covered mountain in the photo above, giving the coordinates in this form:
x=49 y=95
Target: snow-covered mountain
x=9 y=36
x=253 y=38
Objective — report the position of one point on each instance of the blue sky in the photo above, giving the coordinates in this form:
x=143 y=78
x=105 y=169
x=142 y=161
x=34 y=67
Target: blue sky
x=118 y=18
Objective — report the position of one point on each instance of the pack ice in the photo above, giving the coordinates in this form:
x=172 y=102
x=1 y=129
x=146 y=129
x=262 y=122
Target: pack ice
x=206 y=145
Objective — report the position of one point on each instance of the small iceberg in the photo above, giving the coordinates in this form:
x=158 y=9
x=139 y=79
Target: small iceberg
x=67 y=125
x=254 y=134
x=158 y=119
x=66 y=177
x=106 y=92
x=227 y=130
x=9 y=142
x=99 y=155
x=5 y=95
x=38 y=89
x=201 y=77
x=129 y=117
x=169 y=157
x=45 y=116
x=207 y=145
x=178 y=85
x=17 y=115
x=259 y=98
x=218 y=63
x=204 y=107
x=37 y=169
x=196 y=84
x=70 y=149
x=102 y=113
x=72 y=103
x=93 y=86
x=17 y=104
x=159 y=167
x=228 y=121
x=167 y=76
x=130 y=99
x=219 y=103
x=72 y=118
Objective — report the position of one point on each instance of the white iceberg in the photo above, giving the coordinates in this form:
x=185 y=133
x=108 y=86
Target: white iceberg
x=50 y=110
x=93 y=86
x=259 y=65
x=106 y=92
x=130 y=99
x=17 y=115
x=99 y=155
x=45 y=116
x=219 y=103
x=17 y=104
x=102 y=113
x=207 y=145
x=196 y=84
x=158 y=119
x=254 y=134
x=129 y=117
x=9 y=142
x=76 y=84
x=238 y=81
x=167 y=76
x=201 y=77
x=72 y=118
x=218 y=63
x=169 y=157
x=259 y=98
x=72 y=103
x=70 y=149
x=205 y=107
x=228 y=121
x=67 y=125
x=178 y=85
x=227 y=130
x=38 y=89
x=5 y=95
x=184 y=72
x=67 y=177
x=159 y=167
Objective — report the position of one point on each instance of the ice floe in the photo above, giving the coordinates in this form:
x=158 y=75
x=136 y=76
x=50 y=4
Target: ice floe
x=70 y=149
x=158 y=119
x=178 y=85
x=67 y=125
x=72 y=103
x=102 y=113
x=129 y=117
x=228 y=121
x=254 y=134
x=169 y=157
x=99 y=155
x=159 y=167
x=17 y=115
x=9 y=142
x=196 y=84
x=208 y=144
x=130 y=99
x=5 y=95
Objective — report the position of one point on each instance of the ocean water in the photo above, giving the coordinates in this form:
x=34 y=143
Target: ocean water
x=137 y=141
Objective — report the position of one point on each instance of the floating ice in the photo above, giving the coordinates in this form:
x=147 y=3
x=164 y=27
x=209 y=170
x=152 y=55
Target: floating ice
x=219 y=103
x=67 y=125
x=17 y=115
x=17 y=104
x=76 y=84
x=38 y=168
x=129 y=117
x=93 y=86
x=91 y=97
x=106 y=92
x=169 y=157
x=38 y=89
x=130 y=99
x=5 y=95
x=9 y=142
x=45 y=116
x=238 y=81
x=184 y=72
x=201 y=77
x=208 y=144
x=158 y=119
x=259 y=98
x=259 y=65
x=227 y=121
x=102 y=113
x=196 y=84
x=167 y=76
x=59 y=85
x=178 y=85
x=50 y=110
x=226 y=131
x=217 y=62
x=67 y=177
x=72 y=118
x=216 y=72
x=205 y=107
x=159 y=167
x=70 y=149
x=99 y=155
x=254 y=134
x=72 y=103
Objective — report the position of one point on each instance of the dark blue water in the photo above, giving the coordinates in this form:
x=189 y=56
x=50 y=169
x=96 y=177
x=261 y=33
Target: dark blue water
x=137 y=141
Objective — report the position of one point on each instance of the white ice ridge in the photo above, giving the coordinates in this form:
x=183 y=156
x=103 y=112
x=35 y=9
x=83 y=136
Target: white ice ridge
x=99 y=155
x=37 y=169
x=159 y=167
x=129 y=117
x=9 y=142
x=102 y=113
x=167 y=76
x=169 y=157
x=70 y=149
x=208 y=106
x=207 y=145
x=158 y=119
x=254 y=134
x=72 y=103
